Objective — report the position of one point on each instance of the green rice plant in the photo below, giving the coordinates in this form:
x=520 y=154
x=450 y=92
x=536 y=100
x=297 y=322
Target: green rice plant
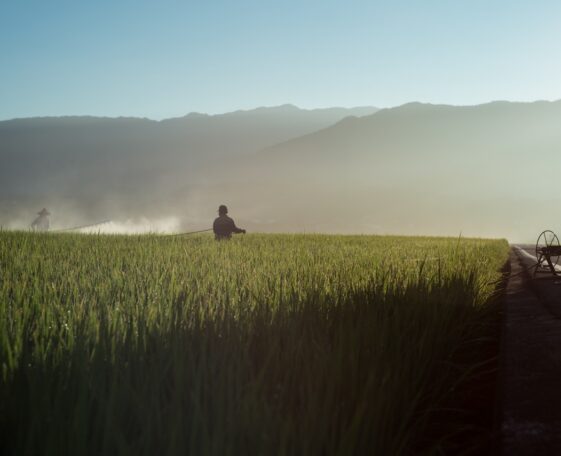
x=268 y=344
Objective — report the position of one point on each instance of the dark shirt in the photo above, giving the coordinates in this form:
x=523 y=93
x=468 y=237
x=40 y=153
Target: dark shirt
x=224 y=226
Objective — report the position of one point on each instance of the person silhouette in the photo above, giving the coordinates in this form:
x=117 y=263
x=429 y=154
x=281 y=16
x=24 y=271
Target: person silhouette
x=224 y=226
x=41 y=223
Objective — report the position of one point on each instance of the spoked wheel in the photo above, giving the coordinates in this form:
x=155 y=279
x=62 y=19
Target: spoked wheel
x=548 y=245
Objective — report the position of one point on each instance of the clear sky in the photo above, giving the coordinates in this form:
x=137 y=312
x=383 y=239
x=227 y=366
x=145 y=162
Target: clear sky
x=166 y=58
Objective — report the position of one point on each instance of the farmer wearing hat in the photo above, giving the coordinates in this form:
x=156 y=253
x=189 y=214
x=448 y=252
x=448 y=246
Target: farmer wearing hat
x=224 y=226
x=41 y=223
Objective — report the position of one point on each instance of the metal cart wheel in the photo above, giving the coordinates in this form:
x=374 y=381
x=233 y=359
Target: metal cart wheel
x=546 y=240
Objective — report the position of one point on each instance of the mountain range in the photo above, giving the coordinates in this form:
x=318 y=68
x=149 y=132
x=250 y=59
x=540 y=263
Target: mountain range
x=485 y=170
x=92 y=167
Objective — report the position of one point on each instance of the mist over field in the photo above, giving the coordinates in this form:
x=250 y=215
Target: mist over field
x=136 y=171
x=414 y=169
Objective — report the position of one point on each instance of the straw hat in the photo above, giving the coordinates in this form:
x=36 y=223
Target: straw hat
x=44 y=212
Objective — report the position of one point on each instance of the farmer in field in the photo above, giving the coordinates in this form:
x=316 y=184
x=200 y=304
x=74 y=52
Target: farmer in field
x=41 y=223
x=224 y=226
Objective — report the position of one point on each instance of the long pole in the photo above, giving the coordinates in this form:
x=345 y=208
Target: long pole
x=80 y=227
x=107 y=221
x=191 y=232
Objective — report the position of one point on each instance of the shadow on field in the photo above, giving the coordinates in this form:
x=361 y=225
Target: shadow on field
x=364 y=373
x=467 y=421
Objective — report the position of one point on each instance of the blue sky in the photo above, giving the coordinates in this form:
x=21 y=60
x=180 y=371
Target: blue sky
x=166 y=58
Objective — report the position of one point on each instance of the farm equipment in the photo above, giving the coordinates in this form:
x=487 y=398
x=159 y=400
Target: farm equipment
x=548 y=251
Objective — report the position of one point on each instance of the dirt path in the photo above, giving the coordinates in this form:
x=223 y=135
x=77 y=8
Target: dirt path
x=530 y=361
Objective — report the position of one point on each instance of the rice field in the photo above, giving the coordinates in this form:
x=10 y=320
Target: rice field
x=268 y=344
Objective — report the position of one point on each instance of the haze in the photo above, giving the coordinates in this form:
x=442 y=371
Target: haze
x=409 y=140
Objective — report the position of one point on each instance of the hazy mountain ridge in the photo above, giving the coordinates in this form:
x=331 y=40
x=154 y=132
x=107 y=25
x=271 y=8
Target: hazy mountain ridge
x=414 y=169
x=128 y=161
x=417 y=168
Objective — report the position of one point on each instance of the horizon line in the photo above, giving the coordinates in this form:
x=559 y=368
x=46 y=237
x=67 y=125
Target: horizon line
x=284 y=105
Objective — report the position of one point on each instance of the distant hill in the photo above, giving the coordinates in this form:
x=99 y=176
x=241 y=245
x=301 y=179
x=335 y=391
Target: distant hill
x=129 y=165
x=488 y=170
